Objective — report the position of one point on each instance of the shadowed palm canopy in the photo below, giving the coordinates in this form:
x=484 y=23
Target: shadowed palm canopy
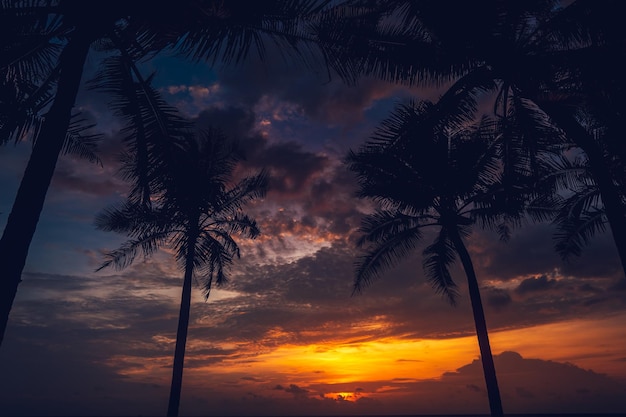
x=197 y=199
x=549 y=70
x=569 y=197
x=427 y=172
x=35 y=34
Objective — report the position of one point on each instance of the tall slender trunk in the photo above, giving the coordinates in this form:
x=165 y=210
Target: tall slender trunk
x=489 y=369
x=183 y=326
x=24 y=216
x=611 y=197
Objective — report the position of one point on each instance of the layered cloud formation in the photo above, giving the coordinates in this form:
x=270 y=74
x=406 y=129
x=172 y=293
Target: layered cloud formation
x=285 y=336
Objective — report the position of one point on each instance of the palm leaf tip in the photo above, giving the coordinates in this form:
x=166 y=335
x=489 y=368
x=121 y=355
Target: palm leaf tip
x=437 y=259
x=369 y=266
x=361 y=279
x=102 y=266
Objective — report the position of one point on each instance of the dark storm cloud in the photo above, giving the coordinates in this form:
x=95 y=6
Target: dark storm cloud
x=497 y=298
x=77 y=178
x=314 y=294
x=111 y=304
x=534 y=284
x=534 y=385
x=314 y=192
x=292 y=168
x=403 y=293
x=333 y=198
x=296 y=390
x=551 y=293
x=73 y=173
x=566 y=299
x=66 y=376
x=122 y=322
x=307 y=299
x=530 y=251
x=235 y=122
x=329 y=101
x=61 y=338
x=78 y=175
x=599 y=259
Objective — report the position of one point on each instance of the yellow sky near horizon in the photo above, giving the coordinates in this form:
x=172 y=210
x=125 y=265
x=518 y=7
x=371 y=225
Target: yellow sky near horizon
x=591 y=344
x=596 y=344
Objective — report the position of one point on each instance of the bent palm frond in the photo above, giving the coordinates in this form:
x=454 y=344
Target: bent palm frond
x=438 y=257
x=389 y=240
x=124 y=256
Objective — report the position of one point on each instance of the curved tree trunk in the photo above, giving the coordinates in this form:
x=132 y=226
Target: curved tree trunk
x=181 y=333
x=24 y=216
x=489 y=369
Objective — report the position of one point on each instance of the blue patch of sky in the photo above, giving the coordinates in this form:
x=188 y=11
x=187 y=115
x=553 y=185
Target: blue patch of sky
x=172 y=70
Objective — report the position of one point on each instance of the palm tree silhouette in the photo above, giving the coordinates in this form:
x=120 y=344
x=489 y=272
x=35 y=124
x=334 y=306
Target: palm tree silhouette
x=568 y=196
x=196 y=213
x=49 y=48
x=544 y=62
x=430 y=173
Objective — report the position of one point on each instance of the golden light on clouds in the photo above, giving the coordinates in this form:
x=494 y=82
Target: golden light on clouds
x=586 y=343
x=344 y=395
x=347 y=366
x=366 y=361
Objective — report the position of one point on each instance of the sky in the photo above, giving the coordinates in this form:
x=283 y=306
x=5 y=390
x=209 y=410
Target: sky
x=286 y=336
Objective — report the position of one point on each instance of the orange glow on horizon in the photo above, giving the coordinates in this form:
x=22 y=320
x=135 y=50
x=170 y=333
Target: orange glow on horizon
x=336 y=369
x=343 y=362
x=344 y=396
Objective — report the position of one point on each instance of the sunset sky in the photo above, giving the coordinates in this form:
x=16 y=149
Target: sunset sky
x=285 y=336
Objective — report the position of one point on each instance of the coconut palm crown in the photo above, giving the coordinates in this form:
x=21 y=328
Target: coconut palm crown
x=428 y=173
x=196 y=214
x=45 y=46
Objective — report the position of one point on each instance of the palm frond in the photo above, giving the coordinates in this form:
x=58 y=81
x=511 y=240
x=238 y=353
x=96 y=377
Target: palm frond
x=237 y=223
x=196 y=214
x=136 y=219
x=545 y=207
x=226 y=241
x=384 y=224
x=391 y=41
x=31 y=34
x=390 y=240
x=213 y=258
x=21 y=105
x=438 y=257
x=80 y=142
x=125 y=255
x=246 y=190
x=153 y=129
x=563 y=173
x=575 y=232
x=228 y=32
x=458 y=106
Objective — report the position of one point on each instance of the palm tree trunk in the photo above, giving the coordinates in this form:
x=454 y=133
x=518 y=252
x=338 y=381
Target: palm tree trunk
x=24 y=216
x=489 y=369
x=183 y=326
